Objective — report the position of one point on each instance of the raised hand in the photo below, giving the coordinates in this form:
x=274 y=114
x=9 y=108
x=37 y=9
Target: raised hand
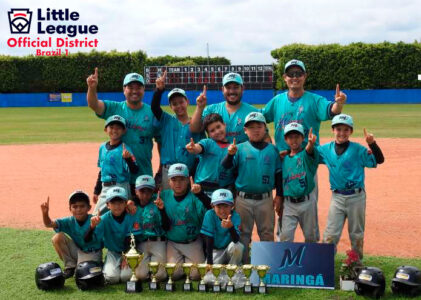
x=45 y=206
x=158 y=202
x=95 y=199
x=369 y=138
x=131 y=207
x=311 y=137
x=283 y=153
x=201 y=100
x=232 y=149
x=95 y=220
x=190 y=146
x=92 y=80
x=160 y=81
x=226 y=223
x=340 y=97
x=126 y=153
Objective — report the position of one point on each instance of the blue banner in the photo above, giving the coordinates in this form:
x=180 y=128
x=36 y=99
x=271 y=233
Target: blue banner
x=305 y=265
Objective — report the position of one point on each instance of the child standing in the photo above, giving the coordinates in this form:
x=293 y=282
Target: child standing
x=69 y=240
x=346 y=161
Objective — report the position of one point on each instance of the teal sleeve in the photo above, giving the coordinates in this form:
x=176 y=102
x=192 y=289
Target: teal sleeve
x=109 y=109
x=323 y=108
x=268 y=110
x=320 y=154
x=368 y=160
x=208 y=227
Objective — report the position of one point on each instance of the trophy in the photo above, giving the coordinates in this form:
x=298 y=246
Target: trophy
x=247 y=269
x=133 y=259
x=187 y=286
x=216 y=270
x=170 y=286
x=261 y=271
x=203 y=269
x=153 y=266
x=230 y=273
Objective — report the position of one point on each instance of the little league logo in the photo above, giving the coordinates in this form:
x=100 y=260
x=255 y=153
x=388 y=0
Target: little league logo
x=20 y=20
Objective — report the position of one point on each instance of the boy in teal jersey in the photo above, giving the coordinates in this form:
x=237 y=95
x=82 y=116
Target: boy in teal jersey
x=210 y=175
x=113 y=228
x=182 y=213
x=221 y=228
x=174 y=129
x=259 y=171
x=69 y=240
x=148 y=230
x=115 y=161
x=298 y=169
x=346 y=161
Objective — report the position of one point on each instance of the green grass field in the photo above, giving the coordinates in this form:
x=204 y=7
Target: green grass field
x=79 y=124
x=23 y=250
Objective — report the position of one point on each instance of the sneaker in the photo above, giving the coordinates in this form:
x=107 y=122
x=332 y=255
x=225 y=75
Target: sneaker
x=68 y=272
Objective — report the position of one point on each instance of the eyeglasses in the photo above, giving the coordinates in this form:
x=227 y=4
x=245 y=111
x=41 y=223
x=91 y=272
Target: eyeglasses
x=296 y=74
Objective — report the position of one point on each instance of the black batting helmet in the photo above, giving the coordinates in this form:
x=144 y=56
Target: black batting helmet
x=370 y=282
x=89 y=275
x=49 y=276
x=407 y=281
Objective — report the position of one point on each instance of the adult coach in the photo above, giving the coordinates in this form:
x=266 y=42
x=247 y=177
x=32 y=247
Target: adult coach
x=298 y=105
x=138 y=115
x=232 y=110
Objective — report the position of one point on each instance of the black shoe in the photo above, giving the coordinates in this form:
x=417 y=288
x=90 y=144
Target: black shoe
x=68 y=272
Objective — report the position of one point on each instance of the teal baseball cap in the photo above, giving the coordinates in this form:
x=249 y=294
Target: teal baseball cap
x=343 y=119
x=232 y=77
x=116 y=192
x=115 y=119
x=256 y=117
x=178 y=170
x=145 y=181
x=295 y=62
x=222 y=196
x=176 y=91
x=133 y=77
x=294 y=126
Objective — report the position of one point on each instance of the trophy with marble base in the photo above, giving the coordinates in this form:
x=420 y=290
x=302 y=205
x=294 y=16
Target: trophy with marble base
x=187 y=285
x=216 y=270
x=133 y=259
x=261 y=271
x=230 y=269
x=153 y=267
x=247 y=270
x=202 y=269
x=170 y=286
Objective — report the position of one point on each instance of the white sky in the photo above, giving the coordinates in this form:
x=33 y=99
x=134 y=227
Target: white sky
x=244 y=31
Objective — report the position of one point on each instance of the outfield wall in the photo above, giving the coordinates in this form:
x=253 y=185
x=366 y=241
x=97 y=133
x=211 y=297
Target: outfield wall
x=403 y=96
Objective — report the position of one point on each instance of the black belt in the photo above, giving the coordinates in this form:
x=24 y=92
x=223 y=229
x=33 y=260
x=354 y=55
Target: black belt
x=298 y=199
x=110 y=183
x=348 y=192
x=253 y=196
x=155 y=239
x=186 y=242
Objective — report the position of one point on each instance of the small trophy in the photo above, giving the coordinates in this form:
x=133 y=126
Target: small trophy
x=153 y=266
x=216 y=270
x=133 y=259
x=203 y=269
x=247 y=269
x=187 y=286
x=230 y=273
x=170 y=286
x=261 y=271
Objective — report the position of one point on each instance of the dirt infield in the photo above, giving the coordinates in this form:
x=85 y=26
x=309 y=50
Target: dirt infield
x=32 y=172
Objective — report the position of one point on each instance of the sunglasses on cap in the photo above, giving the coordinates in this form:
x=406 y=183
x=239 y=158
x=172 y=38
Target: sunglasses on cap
x=295 y=74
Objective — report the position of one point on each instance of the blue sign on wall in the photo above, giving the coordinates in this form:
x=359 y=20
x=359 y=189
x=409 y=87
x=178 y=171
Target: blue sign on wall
x=305 y=265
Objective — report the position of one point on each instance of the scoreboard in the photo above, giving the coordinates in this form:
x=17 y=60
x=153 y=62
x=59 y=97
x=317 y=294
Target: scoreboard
x=194 y=77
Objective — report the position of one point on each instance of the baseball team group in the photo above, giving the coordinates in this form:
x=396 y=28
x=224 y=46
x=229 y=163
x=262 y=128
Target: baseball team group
x=220 y=174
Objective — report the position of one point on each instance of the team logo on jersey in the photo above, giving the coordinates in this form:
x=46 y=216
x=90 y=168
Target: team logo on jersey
x=146 y=118
x=20 y=20
x=239 y=121
x=299 y=162
x=266 y=160
x=300 y=109
x=136 y=226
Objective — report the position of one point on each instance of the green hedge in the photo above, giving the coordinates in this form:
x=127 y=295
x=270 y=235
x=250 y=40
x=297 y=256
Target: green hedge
x=355 y=66
x=35 y=74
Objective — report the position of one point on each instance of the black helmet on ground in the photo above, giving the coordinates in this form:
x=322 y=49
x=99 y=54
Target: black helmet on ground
x=370 y=282
x=407 y=281
x=49 y=276
x=89 y=275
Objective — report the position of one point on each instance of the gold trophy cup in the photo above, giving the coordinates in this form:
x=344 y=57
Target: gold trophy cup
x=170 y=286
x=231 y=269
x=133 y=259
x=153 y=267
x=261 y=271
x=247 y=270
x=203 y=269
x=216 y=270
x=187 y=286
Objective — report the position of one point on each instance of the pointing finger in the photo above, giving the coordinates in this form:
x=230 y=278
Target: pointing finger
x=204 y=90
x=164 y=75
x=191 y=141
x=338 y=90
x=233 y=141
x=48 y=200
x=96 y=72
x=310 y=132
x=365 y=132
x=124 y=147
x=159 y=195
x=229 y=218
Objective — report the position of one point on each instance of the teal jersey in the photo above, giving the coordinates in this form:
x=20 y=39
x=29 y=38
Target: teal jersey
x=113 y=233
x=186 y=216
x=256 y=168
x=234 y=122
x=209 y=168
x=148 y=220
x=112 y=164
x=346 y=171
x=77 y=232
x=175 y=136
x=212 y=227
x=141 y=128
x=298 y=173
x=309 y=111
